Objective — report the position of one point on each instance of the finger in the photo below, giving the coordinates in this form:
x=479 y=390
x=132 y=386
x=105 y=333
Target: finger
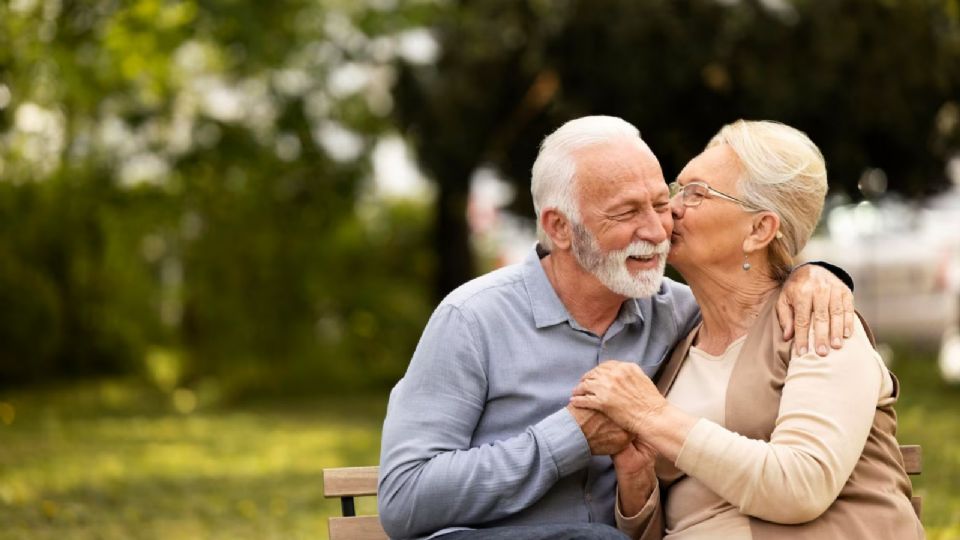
x=849 y=315
x=821 y=319
x=585 y=402
x=584 y=388
x=836 y=317
x=785 y=316
x=801 y=324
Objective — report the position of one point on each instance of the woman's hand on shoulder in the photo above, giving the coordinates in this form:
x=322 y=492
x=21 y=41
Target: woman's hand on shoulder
x=814 y=297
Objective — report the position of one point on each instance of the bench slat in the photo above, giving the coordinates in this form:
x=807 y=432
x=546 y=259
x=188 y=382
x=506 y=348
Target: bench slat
x=912 y=458
x=356 y=528
x=350 y=481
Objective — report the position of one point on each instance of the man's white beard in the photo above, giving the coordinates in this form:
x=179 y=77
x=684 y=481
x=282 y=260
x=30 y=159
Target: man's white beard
x=611 y=267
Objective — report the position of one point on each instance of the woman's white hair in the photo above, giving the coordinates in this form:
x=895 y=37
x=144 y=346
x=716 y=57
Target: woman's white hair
x=784 y=172
x=554 y=171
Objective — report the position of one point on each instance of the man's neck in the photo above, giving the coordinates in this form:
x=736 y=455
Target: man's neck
x=589 y=302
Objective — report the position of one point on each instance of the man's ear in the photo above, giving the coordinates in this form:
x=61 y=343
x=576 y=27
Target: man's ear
x=765 y=228
x=557 y=227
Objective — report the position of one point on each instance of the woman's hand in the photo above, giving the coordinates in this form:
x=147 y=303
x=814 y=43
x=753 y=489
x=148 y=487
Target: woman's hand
x=636 y=478
x=814 y=297
x=622 y=391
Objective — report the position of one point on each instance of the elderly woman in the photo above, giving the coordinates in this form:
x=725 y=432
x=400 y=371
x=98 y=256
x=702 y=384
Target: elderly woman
x=754 y=438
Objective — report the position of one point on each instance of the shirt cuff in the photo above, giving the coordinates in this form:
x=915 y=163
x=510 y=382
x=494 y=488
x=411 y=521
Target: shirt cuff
x=633 y=524
x=562 y=436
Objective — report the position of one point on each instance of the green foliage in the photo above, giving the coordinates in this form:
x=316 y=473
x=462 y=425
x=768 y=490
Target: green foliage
x=875 y=84
x=194 y=176
x=166 y=191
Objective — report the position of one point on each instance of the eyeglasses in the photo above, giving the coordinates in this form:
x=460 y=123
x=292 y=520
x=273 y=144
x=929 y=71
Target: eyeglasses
x=693 y=194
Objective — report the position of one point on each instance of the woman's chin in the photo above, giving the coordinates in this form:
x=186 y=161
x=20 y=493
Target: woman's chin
x=676 y=259
x=674 y=254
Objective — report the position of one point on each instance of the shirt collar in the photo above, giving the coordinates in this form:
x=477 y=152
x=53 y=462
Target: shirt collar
x=547 y=307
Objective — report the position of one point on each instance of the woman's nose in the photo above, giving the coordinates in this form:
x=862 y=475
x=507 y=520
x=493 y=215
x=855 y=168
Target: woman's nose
x=677 y=208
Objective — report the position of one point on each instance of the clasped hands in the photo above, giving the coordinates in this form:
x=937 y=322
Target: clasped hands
x=611 y=403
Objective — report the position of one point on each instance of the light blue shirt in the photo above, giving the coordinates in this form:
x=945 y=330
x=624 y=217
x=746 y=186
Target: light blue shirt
x=477 y=434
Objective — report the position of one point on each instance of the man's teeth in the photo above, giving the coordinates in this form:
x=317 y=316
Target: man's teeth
x=641 y=257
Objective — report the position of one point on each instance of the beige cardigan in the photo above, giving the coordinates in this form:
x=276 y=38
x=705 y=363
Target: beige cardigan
x=875 y=500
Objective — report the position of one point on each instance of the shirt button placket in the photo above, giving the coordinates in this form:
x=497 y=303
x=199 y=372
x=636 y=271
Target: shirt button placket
x=588 y=496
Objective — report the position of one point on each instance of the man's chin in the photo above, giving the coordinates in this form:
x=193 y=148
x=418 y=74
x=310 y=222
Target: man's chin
x=641 y=285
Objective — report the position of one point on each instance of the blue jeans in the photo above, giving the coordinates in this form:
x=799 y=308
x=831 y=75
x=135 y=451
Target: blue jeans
x=557 y=531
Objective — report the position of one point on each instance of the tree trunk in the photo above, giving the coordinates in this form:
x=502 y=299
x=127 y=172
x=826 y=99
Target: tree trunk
x=451 y=238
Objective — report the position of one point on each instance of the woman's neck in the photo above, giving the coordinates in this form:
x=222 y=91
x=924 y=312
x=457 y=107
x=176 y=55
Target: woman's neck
x=729 y=303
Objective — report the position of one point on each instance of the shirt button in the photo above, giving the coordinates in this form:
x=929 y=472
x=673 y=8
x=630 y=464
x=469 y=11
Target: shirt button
x=589 y=497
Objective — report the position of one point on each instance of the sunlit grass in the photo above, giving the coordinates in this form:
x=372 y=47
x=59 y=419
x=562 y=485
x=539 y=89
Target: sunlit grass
x=117 y=460
x=929 y=415
x=135 y=468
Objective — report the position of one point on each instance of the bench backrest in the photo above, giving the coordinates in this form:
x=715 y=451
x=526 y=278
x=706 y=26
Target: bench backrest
x=349 y=482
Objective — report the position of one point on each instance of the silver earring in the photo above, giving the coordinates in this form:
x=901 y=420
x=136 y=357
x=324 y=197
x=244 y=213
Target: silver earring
x=746 y=265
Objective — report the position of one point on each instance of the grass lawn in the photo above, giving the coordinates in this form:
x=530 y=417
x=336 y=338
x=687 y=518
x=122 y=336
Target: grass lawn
x=115 y=460
x=112 y=460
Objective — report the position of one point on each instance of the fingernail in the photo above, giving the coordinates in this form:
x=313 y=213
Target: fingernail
x=803 y=351
x=822 y=350
x=847 y=332
x=836 y=343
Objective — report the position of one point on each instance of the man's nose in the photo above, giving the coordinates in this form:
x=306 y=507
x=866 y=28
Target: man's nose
x=652 y=229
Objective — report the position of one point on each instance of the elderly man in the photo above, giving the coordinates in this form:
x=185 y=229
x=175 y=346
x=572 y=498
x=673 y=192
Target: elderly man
x=479 y=440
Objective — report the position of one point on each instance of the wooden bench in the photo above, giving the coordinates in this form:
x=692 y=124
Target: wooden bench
x=350 y=482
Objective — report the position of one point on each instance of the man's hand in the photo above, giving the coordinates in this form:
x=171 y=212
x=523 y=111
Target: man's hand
x=814 y=295
x=603 y=436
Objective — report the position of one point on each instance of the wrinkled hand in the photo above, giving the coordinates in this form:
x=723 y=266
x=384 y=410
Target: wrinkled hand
x=813 y=295
x=622 y=391
x=636 y=477
x=603 y=435
x=636 y=460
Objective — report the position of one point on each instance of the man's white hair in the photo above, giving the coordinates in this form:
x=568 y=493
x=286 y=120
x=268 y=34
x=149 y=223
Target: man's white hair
x=554 y=171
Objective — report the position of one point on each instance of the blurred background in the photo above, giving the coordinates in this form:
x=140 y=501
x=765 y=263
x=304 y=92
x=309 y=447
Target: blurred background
x=224 y=223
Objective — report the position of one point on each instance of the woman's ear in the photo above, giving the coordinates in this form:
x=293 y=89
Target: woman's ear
x=765 y=228
x=557 y=227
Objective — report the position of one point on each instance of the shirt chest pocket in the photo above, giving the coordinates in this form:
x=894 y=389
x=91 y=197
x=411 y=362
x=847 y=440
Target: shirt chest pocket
x=649 y=357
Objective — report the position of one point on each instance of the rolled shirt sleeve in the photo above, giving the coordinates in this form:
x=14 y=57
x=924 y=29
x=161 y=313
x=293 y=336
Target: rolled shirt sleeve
x=430 y=477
